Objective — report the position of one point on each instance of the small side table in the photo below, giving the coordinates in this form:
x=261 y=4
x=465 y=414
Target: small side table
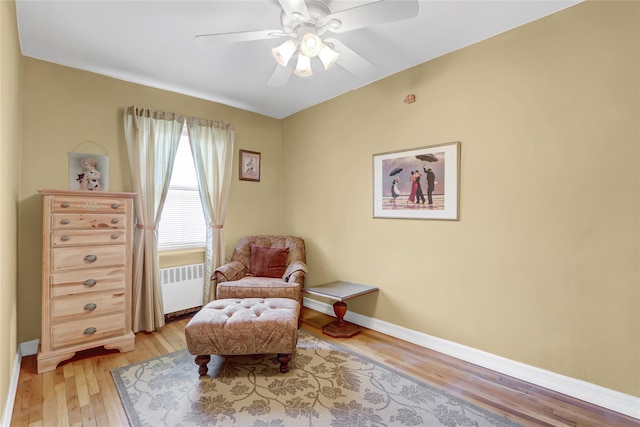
x=339 y=292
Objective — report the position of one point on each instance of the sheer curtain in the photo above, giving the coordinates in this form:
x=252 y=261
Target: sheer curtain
x=212 y=148
x=152 y=141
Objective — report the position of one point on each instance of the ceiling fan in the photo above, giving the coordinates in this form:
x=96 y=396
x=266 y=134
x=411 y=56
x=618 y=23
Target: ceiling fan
x=304 y=22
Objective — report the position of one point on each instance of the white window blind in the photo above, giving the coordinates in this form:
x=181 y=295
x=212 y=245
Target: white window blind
x=182 y=222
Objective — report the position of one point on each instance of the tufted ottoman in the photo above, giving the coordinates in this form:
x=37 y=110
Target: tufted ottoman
x=236 y=326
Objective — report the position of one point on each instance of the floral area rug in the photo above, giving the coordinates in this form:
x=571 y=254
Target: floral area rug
x=328 y=385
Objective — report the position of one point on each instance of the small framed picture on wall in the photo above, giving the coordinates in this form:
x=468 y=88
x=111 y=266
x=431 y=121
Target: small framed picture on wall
x=88 y=172
x=249 y=165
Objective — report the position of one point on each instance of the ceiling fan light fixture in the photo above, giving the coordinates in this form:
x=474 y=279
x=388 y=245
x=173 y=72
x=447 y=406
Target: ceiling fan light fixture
x=284 y=52
x=328 y=56
x=303 y=67
x=310 y=45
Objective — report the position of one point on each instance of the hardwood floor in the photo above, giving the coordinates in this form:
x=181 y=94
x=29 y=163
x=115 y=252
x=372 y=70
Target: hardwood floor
x=81 y=391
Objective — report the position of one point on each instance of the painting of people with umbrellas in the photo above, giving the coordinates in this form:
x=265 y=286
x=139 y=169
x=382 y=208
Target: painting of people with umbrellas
x=420 y=183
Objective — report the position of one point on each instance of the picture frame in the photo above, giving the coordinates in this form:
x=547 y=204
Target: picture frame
x=249 y=166
x=436 y=192
x=88 y=172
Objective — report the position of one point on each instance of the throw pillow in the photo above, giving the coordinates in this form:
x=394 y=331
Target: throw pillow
x=267 y=262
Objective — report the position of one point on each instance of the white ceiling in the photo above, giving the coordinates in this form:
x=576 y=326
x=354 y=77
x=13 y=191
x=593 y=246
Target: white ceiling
x=152 y=43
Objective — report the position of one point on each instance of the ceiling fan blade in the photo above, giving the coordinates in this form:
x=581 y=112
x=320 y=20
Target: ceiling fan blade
x=280 y=76
x=294 y=8
x=377 y=12
x=350 y=60
x=239 y=36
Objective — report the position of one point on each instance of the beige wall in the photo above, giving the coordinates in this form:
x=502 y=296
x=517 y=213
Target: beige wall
x=543 y=265
x=63 y=107
x=10 y=71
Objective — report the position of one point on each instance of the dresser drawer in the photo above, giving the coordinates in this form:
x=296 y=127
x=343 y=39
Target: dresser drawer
x=86 y=204
x=87 y=330
x=83 y=281
x=87 y=221
x=86 y=305
x=87 y=237
x=87 y=257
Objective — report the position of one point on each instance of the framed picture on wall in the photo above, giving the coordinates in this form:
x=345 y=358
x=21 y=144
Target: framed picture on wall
x=249 y=165
x=419 y=183
x=89 y=172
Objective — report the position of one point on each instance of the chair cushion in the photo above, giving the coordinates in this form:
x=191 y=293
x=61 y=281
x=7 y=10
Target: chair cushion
x=258 y=287
x=267 y=261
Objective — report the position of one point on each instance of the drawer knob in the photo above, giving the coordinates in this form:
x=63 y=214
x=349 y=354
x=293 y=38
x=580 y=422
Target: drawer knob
x=89 y=282
x=115 y=206
x=65 y=204
x=90 y=307
x=90 y=331
x=115 y=236
x=90 y=258
x=65 y=221
x=65 y=238
x=115 y=221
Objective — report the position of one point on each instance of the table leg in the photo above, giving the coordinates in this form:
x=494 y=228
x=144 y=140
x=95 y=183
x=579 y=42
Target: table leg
x=340 y=328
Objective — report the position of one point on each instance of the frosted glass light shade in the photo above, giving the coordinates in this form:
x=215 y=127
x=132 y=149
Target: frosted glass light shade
x=284 y=52
x=303 y=67
x=328 y=56
x=310 y=45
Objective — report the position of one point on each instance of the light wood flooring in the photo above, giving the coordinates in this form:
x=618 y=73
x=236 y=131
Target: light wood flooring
x=81 y=392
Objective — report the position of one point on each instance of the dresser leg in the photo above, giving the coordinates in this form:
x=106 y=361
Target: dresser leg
x=124 y=345
x=49 y=363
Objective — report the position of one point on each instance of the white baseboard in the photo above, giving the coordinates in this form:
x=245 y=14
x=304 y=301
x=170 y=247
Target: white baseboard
x=597 y=395
x=29 y=348
x=25 y=349
x=11 y=395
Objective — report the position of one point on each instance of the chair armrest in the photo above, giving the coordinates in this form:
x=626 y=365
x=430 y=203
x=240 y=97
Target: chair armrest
x=295 y=272
x=297 y=277
x=229 y=272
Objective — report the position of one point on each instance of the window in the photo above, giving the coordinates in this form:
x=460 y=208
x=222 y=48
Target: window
x=182 y=222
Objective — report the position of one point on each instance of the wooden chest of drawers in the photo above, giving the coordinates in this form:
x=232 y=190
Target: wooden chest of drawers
x=86 y=274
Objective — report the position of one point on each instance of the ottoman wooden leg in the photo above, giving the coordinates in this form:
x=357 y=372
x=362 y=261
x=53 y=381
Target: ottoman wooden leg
x=202 y=361
x=284 y=360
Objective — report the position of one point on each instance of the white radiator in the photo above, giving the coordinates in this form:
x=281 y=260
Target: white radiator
x=182 y=287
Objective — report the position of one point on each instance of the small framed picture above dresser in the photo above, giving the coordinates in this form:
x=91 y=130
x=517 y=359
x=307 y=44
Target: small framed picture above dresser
x=88 y=172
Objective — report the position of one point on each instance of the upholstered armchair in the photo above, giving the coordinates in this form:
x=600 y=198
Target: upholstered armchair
x=263 y=267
